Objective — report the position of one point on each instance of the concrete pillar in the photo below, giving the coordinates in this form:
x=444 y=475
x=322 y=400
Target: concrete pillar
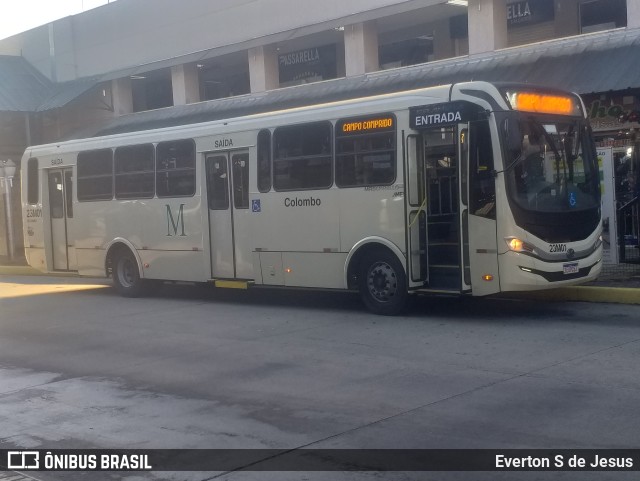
x=487 y=25
x=361 y=48
x=633 y=13
x=122 y=96
x=185 y=81
x=263 y=68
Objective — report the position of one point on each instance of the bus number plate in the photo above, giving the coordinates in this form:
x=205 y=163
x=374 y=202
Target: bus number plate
x=570 y=268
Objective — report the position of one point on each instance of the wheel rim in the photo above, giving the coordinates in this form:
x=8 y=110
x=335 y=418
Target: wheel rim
x=127 y=272
x=382 y=282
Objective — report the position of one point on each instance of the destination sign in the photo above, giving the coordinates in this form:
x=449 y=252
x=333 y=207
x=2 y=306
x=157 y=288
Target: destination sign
x=438 y=115
x=384 y=122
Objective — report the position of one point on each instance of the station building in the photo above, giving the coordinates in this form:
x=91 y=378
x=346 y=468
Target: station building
x=73 y=76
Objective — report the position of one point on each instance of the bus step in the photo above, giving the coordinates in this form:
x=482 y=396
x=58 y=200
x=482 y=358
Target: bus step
x=444 y=253
x=226 y=284
x=444 y=277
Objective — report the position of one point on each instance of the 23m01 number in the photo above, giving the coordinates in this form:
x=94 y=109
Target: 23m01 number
x=557 y=248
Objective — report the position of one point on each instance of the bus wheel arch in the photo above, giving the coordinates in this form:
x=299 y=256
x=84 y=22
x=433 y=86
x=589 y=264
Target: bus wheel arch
x=123 y=265
x=376 y=269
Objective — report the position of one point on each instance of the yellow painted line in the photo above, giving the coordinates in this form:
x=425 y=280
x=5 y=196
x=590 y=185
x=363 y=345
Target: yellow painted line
x=19 y=271
x=615 y=295
x=231 y=284
x=9 y=290
x=30 y=271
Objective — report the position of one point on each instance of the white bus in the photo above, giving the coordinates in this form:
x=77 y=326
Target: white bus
x=471 y=188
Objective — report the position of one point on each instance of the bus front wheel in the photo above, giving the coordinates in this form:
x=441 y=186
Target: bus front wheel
x=126 y=276
x=382 y=283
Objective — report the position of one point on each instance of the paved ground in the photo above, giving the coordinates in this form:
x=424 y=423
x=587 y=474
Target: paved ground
x=81 y=367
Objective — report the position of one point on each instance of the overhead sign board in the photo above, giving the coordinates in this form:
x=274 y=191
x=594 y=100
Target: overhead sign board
x=440 y=115
x=311 y=64
x=529 y=12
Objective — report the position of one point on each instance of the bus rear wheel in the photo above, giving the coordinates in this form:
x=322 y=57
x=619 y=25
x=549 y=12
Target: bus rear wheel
x=126 y=275
x=382 y=283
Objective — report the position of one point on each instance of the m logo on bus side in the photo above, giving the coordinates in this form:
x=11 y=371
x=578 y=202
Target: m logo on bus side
x=175 y=224
x=255 y=205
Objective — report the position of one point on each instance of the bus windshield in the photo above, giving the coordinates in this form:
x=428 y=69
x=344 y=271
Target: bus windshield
x=554 y=169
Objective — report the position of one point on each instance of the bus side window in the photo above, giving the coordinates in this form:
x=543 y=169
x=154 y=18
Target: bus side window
x=95 y=175
x=302 y=157
x=33 y=195
x=176 y=168
x=366 y=151
x=134 y=172
x=482 y=181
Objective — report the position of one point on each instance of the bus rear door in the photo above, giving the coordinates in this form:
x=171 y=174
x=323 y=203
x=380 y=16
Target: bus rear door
x=60 y=184
x=228 y=205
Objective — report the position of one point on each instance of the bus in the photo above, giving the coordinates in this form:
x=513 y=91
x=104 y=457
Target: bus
x=471 y=188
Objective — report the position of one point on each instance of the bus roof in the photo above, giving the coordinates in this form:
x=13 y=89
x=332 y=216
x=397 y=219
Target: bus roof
x=307 y=95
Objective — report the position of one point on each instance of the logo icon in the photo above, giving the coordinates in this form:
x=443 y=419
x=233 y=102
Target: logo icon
x=23 y=460
x=255 y=205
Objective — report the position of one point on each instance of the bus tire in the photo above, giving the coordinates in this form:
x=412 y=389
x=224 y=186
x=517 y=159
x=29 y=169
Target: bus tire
x=382 y=283
x=126 y=275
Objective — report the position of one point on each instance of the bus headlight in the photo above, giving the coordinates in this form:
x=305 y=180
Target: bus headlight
x=517 y=245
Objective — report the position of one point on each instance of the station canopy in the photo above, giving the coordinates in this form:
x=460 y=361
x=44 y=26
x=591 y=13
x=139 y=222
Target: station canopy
x=592 y=63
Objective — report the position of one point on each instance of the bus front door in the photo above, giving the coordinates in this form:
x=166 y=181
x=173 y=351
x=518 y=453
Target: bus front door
x=61 y=215
x=227 y=176
x=434 y=220
x=478 y=201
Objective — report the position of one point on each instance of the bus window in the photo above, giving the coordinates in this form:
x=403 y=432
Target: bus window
x=302 y=156
x=56 y=200
x=176 y=168
x=134 y=172
x=264 y=161
x=32 y=181
x=366 y=151
x=68 y=192
x=95 y=175
x=441 y=161
x=217 y=182
x=482 y=186
x=240 y=166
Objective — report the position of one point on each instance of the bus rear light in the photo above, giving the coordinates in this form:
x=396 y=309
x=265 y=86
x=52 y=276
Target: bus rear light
x=487 y=277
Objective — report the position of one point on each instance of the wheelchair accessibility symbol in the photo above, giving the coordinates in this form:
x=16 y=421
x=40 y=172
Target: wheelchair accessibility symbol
x=572 y=199
x=255 y=205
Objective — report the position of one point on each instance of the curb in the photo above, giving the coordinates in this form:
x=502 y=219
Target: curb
x=612 y=295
